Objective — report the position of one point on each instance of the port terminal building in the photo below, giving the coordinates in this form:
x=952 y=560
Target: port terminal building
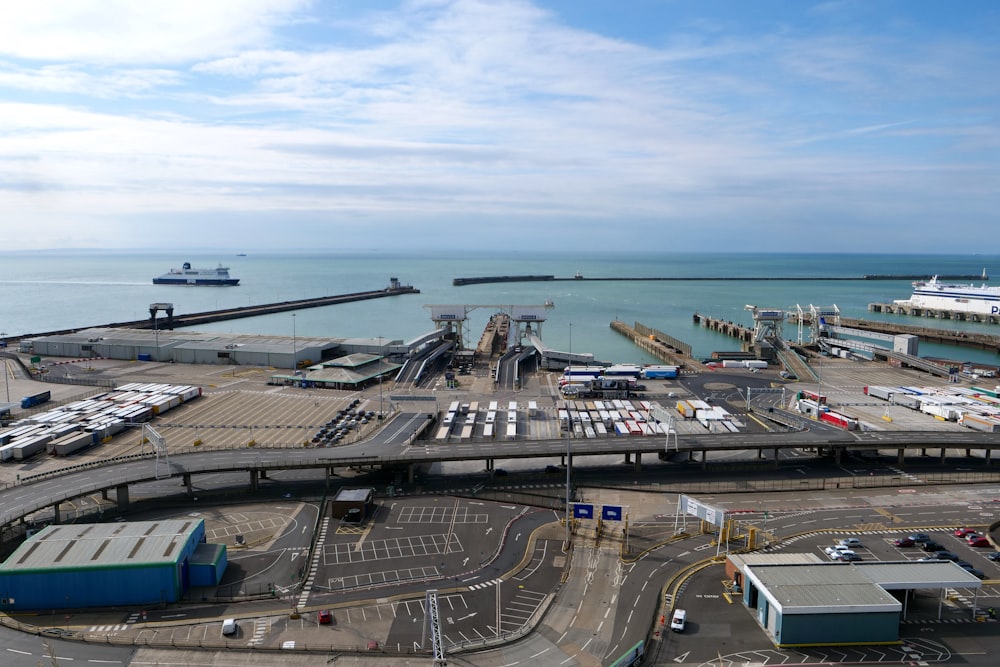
x=800 y=601
x=75 y=566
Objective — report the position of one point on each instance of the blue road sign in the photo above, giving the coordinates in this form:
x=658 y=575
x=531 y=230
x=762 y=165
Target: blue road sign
x=581 y=511
x=611 y=513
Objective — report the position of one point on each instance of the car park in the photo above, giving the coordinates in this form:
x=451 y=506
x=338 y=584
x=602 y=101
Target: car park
x=904 y=542
x=979 y=541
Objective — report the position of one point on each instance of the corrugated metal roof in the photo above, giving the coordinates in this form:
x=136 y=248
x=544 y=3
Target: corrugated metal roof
x=760 y=558
x=804 y=587
x=101 y=545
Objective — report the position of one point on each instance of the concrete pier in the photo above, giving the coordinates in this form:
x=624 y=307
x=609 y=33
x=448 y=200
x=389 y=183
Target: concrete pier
x=738 y=331
x=936 y=313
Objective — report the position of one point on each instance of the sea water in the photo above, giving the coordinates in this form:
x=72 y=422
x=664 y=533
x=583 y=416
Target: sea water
x=54 y=290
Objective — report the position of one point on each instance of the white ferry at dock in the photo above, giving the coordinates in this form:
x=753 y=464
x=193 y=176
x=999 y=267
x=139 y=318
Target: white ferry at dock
x=983 y=299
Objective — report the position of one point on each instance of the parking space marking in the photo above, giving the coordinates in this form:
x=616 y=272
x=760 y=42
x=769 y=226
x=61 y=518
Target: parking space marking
x=403 y=547
x=440 y=515
x=382 y=577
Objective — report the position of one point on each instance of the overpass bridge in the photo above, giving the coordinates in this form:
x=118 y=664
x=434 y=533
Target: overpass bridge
x=397 y=450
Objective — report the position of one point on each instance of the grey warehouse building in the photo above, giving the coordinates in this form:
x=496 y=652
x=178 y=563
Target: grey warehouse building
x=829 y=603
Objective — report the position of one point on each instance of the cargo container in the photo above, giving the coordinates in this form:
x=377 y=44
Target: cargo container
x=494 y=406
x=621 y=428
x=659 y=372
x=491 y=417
x=809 y=407
x=600 y=428
x=442 y=433
x=466 y=434
x=532 y=408
x=512 y=430
x=907 y=400
x=759 y=364
x=512 y=417
x=685 y=409
x=70 y=444
x=24 y=448
x=35 y=399
x=734 y=363
x=839 y=420
x=885 y=393
x=488 y=431
x=980 y=423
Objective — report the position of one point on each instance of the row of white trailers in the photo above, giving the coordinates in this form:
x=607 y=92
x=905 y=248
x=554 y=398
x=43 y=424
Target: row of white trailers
x=974 y=408
x=73 y=427
x=462 y=418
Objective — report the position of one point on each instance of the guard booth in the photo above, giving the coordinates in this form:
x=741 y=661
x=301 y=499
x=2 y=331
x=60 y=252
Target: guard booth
x=362 y=500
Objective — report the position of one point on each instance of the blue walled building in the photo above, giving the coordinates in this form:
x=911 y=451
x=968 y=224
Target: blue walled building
x=110 y=564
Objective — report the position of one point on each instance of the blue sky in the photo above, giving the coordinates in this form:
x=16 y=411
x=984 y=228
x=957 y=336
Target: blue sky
x=573 y=124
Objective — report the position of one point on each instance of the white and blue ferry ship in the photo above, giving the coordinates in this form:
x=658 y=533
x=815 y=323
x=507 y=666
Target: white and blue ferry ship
x=188 y=276
x=983 y=299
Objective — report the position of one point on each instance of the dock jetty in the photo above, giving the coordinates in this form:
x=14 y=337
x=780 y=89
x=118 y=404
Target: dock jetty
x=479 y=280
x=658 y=344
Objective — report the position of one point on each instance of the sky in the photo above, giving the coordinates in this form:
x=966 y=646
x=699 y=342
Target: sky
x=667 y=125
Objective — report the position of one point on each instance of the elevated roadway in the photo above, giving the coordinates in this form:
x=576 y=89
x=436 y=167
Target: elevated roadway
x=396 y=446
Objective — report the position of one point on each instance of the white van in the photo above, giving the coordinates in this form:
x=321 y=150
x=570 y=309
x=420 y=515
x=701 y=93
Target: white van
x=677 y=620
x=229 y=626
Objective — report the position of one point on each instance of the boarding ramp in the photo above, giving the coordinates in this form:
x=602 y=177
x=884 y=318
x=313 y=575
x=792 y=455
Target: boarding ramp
x=792 y=362
x=557 y=359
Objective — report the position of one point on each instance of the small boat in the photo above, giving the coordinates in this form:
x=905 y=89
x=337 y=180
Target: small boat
x=188 y=276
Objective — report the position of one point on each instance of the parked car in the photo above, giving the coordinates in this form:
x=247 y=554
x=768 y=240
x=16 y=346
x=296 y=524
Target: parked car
x=904 y=542
x=946 y=555
x=995 y=556
x=920 y=537
x=964 y=532
x=850 y=542
x=324 y=617
x=979 y=541
x=230 y=626
x=836 y=548
x=846 y=555
x=975 y=572
x=931 y=546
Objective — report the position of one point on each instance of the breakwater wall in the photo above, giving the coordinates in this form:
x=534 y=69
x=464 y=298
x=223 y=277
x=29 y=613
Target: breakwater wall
x=479 y=280
x=194 y=319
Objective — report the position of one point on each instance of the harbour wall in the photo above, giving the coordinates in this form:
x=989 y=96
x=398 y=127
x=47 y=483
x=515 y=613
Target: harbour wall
x=195 y=319
x=479 y=280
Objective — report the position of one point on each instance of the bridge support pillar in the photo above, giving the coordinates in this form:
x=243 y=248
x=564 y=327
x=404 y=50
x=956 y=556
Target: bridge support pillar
x=489 y=464
x=104 y=494
x=776 y=450
x=943 y=450
x=411 y=470
x=56 y=516
x=254 y=478
x=986 y=456
x=263 y=474
x=968 y=453
x=900 y=456
x=704 y=459
x=838 y=455
x=186 y=481
x=121 y=495
x=628 y=457
x=637 y=467
x=760 y=453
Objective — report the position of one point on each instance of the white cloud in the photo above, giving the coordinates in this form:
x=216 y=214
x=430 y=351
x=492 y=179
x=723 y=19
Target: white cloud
x=126 y=31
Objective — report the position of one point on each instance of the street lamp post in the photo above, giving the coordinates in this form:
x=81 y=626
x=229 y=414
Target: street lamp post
x=380 y=369
x=569 y=453
x=295 y=364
